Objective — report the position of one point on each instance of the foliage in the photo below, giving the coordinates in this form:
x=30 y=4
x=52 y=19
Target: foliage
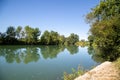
x=105 y=28
x=18 y=32
x=82 y=43
x=74 y=74
x=11 y=32
x=29 y=35
x=53 y=38
x=72 y=39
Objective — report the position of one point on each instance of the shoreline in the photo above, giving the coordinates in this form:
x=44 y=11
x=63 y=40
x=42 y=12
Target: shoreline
x=105 y=71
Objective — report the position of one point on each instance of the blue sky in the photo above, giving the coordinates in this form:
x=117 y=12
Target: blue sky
x=63 y=16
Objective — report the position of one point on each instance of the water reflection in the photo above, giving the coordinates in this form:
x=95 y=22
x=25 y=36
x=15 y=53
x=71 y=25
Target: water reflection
x=19 y=54
x=72 y=49
x=102 y=54
x=28 y=54
x=51 y=51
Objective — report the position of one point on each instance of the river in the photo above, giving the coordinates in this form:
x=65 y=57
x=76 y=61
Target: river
x=42 y=62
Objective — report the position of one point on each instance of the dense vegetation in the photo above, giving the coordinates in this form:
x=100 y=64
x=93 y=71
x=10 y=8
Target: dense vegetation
x=29 y=35
x=105 y=29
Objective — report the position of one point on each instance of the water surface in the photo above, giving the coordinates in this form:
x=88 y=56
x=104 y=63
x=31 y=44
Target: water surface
x=41 y=62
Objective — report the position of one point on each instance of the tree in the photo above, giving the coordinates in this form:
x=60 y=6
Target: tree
x=18 y=32
x=50 y=38
x=31 y=35
x=11 y=32
x=54 y=37
x=105 y=28
x=45 y=38
x=36 y=34
x=10 y=35
x=61 y=39
x=72 y=39
x=105 y=10
x=1 y=38
x=91 y=39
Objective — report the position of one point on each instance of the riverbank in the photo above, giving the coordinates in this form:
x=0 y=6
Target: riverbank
x=104 y=71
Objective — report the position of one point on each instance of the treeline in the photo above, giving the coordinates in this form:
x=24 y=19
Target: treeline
x=105 y=29
x=32 y=36
x=82 y=43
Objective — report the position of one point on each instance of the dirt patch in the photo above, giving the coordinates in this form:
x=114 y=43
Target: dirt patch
x=104 y=71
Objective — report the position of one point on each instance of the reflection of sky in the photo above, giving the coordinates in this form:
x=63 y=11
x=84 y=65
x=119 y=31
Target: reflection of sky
x=63 y=16
x=45 y=69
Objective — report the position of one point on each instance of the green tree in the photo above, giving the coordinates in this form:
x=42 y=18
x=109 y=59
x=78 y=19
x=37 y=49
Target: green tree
x=45 y=38
x=18 y=32
x=105 y=28
x=91 y=39
x=72 y=39
x=31 y=35
x=2 y=38
x=54 y=37
x=50 y=38
x=11 y=32
x=10 y=35
x=61 y=39
x=36 y=34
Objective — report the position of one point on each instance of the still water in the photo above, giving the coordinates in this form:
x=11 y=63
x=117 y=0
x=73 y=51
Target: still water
x=42 y=62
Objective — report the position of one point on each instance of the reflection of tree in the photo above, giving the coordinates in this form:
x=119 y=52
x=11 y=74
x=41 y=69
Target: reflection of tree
x=102 y=54
x=18 y=54
x=51 y=51
x=31 y=55
x=72 y=49
x=28 y=54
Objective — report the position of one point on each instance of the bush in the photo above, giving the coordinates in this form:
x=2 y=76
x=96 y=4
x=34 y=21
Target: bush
x=74 y=74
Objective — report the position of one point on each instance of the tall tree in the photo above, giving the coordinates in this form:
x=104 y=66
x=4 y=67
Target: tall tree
x=54 y=37
x=105 y=27
x=45 y=38
x=18 y=32
x=72 y=39
x=11 y=32
x=61 y=39
x=10 y=35
x=31 y=34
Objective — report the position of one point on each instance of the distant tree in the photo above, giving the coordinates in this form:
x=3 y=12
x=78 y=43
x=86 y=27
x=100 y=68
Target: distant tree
x=10 y=35
x=61 y=39
x=1 y=40
x=31 y=34
x=11 y=32
x=54 y=37
x=45 y=38
x=36 y=34
x=18 y=32
x=72 y=39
